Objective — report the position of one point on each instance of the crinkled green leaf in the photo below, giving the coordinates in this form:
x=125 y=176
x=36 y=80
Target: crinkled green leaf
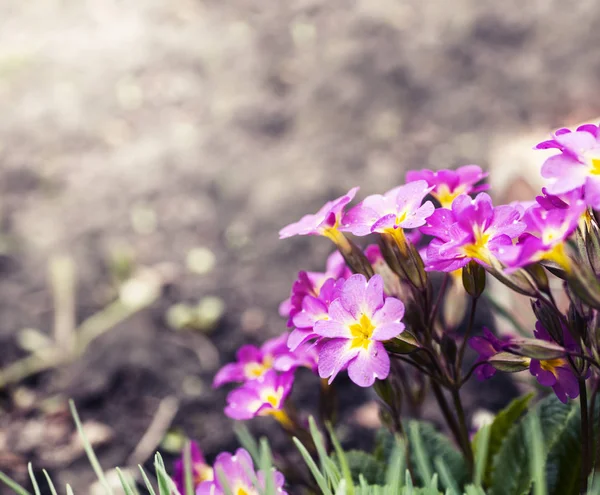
x=502 y=424
x=511 y=470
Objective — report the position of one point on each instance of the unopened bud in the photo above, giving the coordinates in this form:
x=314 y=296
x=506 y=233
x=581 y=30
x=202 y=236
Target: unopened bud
x=509 y=363
x=536 y=349
x=473 y=276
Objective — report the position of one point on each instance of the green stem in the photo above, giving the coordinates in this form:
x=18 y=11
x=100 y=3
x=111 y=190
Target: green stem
x=463 y=427
x=585 y=435
x=438 y=301
x=463 y=346
x=448 y=416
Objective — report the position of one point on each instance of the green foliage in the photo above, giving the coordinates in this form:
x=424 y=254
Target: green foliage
x=511 y=466
x=500 y=427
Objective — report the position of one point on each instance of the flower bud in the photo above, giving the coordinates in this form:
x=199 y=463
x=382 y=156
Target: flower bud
x=536 y=349
x=504 y=361
x=473 y=276
x=405 y=343
x=408 y=266
x=549 y=319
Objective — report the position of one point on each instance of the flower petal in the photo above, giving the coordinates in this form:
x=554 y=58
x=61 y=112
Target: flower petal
x=334 y=356
x=369 y=364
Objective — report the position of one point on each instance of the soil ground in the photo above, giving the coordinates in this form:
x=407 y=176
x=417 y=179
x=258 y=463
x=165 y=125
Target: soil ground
x=150 y=128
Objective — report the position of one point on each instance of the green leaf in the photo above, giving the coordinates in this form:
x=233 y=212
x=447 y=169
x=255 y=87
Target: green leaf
x=434 y=445
x=13 y=485
x=49 y=481
x=362 y=463
x=503 y=422
x=89 y=450
x=312 y=466
x=147 y=481
x=511 y=469
x=36 y=488
x=125 y=483
x=563 y=468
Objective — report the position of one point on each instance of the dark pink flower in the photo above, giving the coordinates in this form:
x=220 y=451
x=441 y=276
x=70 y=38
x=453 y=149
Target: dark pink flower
x=449 y=184
x=577 y=165
x=358 y=321
x=472 y=230
x=556 y=373
x=260 y=397
x=239 y=473
x=201 y=471
x=398 y=209
x=325 y=222
x=252 y=362
x=310 y=283
x=486 y=346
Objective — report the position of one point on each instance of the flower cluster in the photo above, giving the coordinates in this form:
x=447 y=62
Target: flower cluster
x=375 y=311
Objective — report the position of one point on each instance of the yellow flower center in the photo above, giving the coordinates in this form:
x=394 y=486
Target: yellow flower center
x=202 y=472
x=243 y=490
x=558 y=254
x=272 y=397
x=478 y=249
x=362 y=331
x=445 y=196
x=551 y=365
x=256 y=370
x=594 y=164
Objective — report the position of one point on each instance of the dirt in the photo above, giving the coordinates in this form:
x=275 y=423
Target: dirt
x=155 y=127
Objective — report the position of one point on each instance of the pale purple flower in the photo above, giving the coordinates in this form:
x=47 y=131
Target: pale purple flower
x=556 y=373
x=487 y=346
x=359 y=321
x=313 y=310
x=472 y=230
x=237 y=472
x=546 y=234
x=252 y=362
x=260 y=397
x=398 y=209
x=577 y=165
x=310 y=283
x=449 y=184
x=303 y=356
x=325 y=222
x=201 y=471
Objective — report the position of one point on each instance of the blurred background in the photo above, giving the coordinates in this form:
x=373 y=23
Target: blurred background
x=151 y=150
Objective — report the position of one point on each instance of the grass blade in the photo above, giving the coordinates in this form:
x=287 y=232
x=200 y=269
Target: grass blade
x=125 y=483
x=483 y=442
x=19 y=490
x=537 y=454
x=187 y=468
x=247 y=441
x=34 y=482
x=423 y=464
x=342 y=460
x=89 y=451
x=266 y=466
x=446 y=476
x=312 y=466
x=49 y=481
x=147 y=481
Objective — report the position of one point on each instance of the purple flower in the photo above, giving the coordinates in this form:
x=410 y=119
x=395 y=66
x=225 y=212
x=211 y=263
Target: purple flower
x=358 y=321
x=200 y=470
x=556 y=373
x=236 y=470
x=487 y=346
x=472 y=230
x=310 y=283
x=313 y=310
x=325 y=222
x=578 y=163
x=261 y=397
x=449 y=184
x=398 y=209
x=252 y=362
x=303 y=356
x=546 y=234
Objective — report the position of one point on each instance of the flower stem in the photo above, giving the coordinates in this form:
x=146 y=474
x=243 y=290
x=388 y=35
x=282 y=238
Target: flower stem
x=463 y=346
x=448 y=416
x=585 y=435
x=468 y=451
